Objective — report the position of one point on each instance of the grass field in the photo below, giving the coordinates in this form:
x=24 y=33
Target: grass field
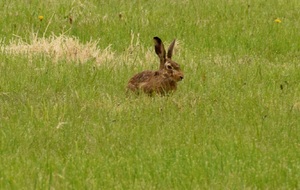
x=66 y=122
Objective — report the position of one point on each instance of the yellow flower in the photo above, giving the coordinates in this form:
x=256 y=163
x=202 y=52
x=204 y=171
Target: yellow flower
x=41 y=17
x=277 y=20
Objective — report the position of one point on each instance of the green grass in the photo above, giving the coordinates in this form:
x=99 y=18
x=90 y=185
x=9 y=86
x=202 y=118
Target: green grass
x=233 y=123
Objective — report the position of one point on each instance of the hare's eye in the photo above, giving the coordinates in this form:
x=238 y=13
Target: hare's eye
x=169 y=67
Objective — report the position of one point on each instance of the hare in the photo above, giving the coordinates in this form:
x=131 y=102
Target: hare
x=162 y=81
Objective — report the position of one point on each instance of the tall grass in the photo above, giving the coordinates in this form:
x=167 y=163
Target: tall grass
x=66 y=122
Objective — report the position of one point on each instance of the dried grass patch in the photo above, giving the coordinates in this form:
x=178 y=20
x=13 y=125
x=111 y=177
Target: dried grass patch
x=58 y=48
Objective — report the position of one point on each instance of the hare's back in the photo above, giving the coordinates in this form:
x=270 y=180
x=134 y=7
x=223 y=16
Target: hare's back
x=142 y=77
x=138 y=80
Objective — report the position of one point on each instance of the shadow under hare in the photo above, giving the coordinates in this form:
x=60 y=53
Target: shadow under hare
x=162 y=81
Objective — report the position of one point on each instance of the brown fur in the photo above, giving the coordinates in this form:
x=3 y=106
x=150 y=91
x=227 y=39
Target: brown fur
x=161 y=81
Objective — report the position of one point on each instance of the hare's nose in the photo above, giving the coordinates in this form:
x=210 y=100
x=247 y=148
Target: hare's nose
x=181 y=77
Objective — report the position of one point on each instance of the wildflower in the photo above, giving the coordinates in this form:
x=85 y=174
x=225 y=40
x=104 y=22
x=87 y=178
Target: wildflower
x=41 y=17
x=277 y=20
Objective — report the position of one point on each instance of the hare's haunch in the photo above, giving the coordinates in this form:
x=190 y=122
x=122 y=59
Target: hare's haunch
x=161 y=81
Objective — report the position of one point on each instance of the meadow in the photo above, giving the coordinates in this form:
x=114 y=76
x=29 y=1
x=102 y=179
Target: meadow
x=67 y=123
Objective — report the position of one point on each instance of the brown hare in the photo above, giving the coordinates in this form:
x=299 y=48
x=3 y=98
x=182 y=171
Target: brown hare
x=162 y=81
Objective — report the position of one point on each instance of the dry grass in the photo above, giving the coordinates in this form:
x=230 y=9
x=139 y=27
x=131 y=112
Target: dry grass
x=59 y=48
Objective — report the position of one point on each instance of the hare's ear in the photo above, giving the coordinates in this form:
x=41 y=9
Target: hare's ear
x=170 y=49
x=160 y=50
x=159 y=47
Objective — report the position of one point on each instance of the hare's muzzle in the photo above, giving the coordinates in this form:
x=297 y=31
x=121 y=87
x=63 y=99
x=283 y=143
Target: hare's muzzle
x=179 y=76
